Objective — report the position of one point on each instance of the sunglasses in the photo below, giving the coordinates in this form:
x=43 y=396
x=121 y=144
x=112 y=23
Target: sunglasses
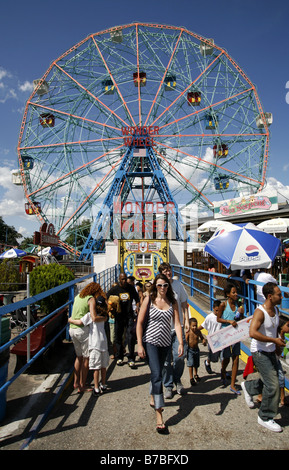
x=162 y=285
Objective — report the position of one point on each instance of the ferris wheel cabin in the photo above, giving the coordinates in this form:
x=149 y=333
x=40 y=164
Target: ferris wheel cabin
x=211 y=121
x=28 y=163
x=140 y=78
x=221 y=182
x=170 y=82
x=260 y=120
x=206 y=48
x=30 y=210
x=16 y=177
x=194 y=98
x=41 y=89
x=116 y=36
x=108 y=87
x=220 y=150
x=47 y=120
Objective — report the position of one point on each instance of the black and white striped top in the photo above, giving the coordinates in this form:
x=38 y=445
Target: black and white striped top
x=158 y=331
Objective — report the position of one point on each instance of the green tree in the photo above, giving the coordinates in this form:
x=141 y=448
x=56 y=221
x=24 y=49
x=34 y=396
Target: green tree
x=26 y=243
x=78 y=234
x=46 y=277
x=8 y=234
x=9 y=275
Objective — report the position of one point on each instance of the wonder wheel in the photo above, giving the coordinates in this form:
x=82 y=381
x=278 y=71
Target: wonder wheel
x=141 y=112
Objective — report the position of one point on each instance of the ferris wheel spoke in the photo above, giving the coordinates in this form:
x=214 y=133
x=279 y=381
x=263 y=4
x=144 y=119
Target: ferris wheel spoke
x=115 y=84
x=67 y=144
x=77 y=171
x=202 y=110
x=164 y=76
x=208 y=163
x=138 y=75
x=186 y=89
x=74 y=116
x=188 y=183
x=103 y=105
x=90 y=195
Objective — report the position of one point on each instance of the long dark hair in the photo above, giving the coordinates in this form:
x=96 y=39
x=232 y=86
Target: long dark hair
x=170 y=293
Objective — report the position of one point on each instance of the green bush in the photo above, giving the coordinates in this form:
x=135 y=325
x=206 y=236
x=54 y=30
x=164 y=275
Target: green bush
x=46 y=277
x=9 y=275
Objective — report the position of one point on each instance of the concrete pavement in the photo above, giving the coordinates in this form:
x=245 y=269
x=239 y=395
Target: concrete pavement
x=207 y=417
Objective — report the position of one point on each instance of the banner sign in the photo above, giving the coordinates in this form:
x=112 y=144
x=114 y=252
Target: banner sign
x=229 y=335
x=46 y=236
x=246 y=205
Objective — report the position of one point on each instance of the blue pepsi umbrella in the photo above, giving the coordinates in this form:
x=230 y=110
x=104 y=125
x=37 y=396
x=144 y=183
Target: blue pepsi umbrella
x=243 y=247
x=13 y=253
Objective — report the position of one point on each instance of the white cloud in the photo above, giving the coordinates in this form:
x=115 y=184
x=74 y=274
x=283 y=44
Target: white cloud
x=26 y=86
x=282 y=190
x=4 y=73
x=6 y=178
x=10 y=86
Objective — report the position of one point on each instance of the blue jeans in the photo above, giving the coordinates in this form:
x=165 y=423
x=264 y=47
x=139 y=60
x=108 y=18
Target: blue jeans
x=267 y=384
x=156 y=356
x=172 y=373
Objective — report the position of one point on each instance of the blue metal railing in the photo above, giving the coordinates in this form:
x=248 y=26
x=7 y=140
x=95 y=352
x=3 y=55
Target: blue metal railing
x=198 y=281
x=104 y=278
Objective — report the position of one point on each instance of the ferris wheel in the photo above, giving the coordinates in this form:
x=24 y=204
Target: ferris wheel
x=148 y=110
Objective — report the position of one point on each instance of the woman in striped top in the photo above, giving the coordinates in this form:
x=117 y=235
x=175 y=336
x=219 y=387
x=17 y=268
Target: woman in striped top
x=154 y=342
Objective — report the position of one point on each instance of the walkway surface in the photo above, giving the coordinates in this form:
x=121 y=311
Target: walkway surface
x=207 y=417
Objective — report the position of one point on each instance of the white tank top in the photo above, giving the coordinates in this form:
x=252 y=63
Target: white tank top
x=268 y=328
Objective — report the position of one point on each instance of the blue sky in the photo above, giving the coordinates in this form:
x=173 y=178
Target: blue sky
x=33 y=34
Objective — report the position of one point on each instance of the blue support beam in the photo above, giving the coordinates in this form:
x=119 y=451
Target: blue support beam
x=123 y=185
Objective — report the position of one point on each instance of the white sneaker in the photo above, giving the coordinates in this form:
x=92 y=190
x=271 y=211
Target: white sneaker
x=180 y=388
x=168 y=393
x=247 y=396
x=270 y=425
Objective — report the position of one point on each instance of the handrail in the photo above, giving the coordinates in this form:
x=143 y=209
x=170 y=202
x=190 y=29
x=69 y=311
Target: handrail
x=104 y=278
x=248 y=292
x=207 y=290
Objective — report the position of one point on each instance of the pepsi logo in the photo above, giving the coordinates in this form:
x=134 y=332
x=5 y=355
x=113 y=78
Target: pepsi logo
x=252 y=250
x=220 y=232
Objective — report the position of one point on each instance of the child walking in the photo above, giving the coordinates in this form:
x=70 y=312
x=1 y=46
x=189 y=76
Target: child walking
x=98 y=347
x=193 y=352
x=228 y=314
x=211 y=325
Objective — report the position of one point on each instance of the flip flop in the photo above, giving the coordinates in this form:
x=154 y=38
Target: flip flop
x=237 y=392
x=161 y=428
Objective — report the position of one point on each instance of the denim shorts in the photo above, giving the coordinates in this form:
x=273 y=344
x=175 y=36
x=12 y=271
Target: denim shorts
x=193 y=357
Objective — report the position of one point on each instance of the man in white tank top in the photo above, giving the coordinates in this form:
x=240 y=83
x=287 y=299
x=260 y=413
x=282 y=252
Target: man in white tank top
x=263 y=331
